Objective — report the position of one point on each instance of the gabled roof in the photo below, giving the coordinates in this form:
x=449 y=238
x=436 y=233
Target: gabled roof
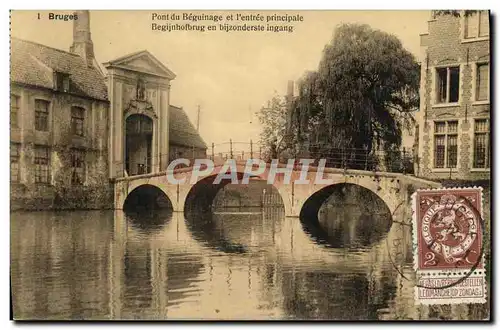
x=182 y=131
x=142 y=61
x=34 y=64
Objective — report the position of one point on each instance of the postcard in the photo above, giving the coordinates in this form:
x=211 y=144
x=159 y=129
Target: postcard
x=250 y=165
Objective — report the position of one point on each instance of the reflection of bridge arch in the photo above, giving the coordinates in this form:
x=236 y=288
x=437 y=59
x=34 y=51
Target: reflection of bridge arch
x=204 y=229
x=148 y=221
x=206 y=226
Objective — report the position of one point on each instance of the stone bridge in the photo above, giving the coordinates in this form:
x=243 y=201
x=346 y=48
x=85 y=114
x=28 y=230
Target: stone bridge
x=394 y=189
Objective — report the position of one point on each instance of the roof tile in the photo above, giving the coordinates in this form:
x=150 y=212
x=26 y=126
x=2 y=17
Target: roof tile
x=182 y=131
x=33 y=64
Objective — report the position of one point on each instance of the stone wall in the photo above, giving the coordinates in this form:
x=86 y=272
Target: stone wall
x=60 y=192
x=60 y=198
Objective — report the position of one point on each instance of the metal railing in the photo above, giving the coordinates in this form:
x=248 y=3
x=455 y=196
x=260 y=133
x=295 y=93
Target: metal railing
x=398 y=161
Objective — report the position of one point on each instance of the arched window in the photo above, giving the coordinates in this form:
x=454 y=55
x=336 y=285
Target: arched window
x=139 y=124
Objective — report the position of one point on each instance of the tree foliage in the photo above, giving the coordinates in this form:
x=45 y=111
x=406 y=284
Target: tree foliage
x=362 y=95
x=273 y=120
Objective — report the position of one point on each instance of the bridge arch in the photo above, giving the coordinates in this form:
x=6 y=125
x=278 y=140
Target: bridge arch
x=313 y=203
x=357 y=215
x=387 y=186
x=202 y=194
x=146 y=196
x=205 y=224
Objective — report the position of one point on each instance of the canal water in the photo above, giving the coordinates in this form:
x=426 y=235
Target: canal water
x=236 y=263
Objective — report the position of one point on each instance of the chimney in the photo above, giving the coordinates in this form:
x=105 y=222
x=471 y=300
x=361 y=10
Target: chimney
x=82 y=42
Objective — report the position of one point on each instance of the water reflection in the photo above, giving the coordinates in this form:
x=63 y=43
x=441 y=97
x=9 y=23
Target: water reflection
x=148 y=221
x=59 y=264
x=206 y=229
x=137 y=276
x=182 y=271
x=321 y=295
x=110 y=265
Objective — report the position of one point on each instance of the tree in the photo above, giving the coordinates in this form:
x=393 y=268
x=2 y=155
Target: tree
x=362 y=95
x=273 y=120
x=307 y=116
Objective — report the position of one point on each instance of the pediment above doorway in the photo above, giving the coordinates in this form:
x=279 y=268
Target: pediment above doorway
x=141 y=62
x=140 y=107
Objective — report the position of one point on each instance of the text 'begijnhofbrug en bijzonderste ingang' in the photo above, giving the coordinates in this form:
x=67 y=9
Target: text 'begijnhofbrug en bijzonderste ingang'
x=226 y=22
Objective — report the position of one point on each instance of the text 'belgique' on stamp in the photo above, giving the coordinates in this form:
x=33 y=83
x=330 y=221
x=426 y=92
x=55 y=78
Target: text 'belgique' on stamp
x=447 y=237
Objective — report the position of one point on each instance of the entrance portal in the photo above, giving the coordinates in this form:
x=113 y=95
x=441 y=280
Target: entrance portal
x=138 y=141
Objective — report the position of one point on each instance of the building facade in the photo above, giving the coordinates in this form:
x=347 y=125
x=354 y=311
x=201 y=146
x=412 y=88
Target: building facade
x=74 y=129
x=59 y=131
x=453 y=131
x=139 y=87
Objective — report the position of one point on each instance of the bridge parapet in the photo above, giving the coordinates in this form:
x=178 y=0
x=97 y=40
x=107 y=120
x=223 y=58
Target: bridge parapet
x=394 y=188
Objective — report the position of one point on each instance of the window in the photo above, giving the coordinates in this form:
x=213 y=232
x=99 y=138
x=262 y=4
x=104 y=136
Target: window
x=66 y=84
x=42 y=164
x=477 y=25
x=481 y=143
x=61 y=81
x=41 y=115
x=482 y=82
x=77 y=120
x=448 y=83
x=14 y=110
x=445 y=144
x=77 y=166
x=14 y=162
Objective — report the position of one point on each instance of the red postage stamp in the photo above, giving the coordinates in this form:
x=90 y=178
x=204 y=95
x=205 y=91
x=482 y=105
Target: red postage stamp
x=447 y=235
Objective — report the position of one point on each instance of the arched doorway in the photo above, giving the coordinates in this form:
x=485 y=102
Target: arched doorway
x=138 y=144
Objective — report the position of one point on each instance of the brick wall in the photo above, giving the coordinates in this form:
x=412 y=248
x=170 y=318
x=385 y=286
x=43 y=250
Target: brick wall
x=444 y=46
